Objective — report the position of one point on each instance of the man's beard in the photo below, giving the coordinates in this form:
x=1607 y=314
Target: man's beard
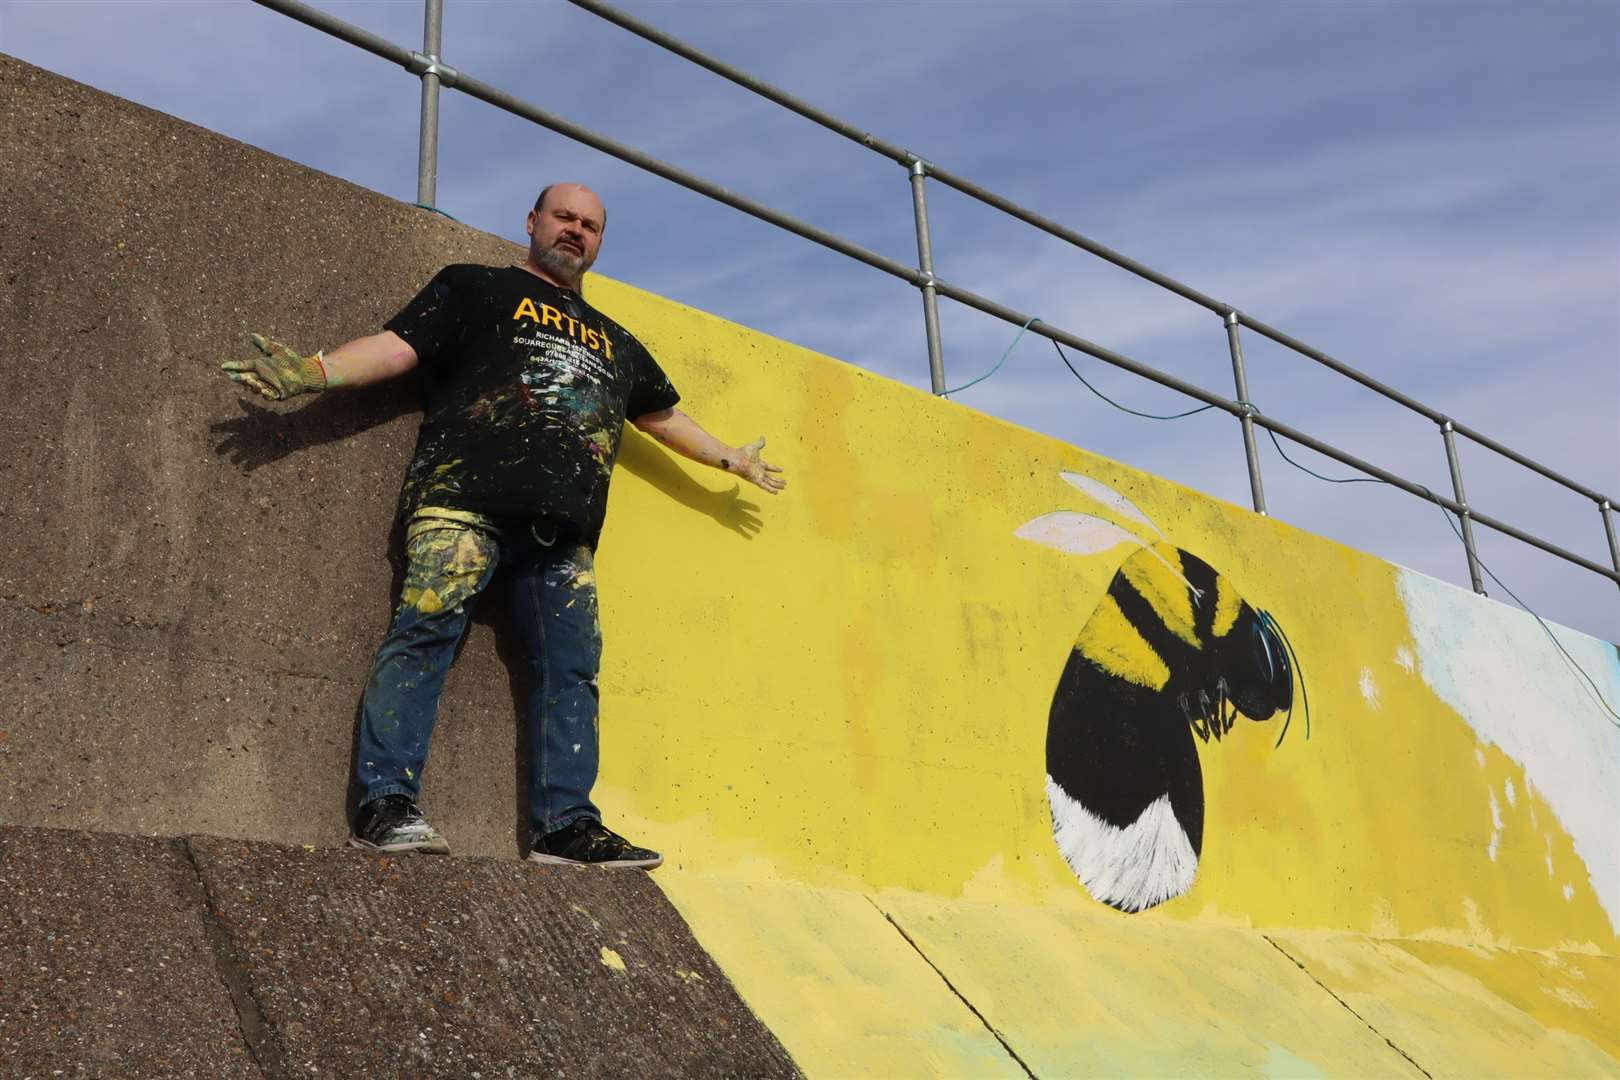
x=562 y=264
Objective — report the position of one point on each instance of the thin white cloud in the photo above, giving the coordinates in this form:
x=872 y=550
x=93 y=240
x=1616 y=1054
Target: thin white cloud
x=1428 y=192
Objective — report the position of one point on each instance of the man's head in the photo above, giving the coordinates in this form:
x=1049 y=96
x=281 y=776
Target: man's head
x=565 y=233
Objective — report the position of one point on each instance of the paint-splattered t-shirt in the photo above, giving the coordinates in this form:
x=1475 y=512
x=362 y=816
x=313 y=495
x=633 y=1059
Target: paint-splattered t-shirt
x=525 y=389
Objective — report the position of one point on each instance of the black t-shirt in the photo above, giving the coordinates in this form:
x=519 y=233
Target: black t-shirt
x=525 y=391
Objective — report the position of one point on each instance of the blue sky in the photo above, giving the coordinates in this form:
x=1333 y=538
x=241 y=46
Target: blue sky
x=1428 y=191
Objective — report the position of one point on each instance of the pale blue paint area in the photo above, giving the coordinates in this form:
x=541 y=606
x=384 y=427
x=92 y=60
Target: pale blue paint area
x=1500 y=671
x=973 y=1048
x=1281 y=1063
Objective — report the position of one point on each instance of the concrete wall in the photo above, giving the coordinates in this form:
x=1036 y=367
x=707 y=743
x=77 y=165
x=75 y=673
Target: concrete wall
x=194 y=581
x=829 y=709
x=263 y=961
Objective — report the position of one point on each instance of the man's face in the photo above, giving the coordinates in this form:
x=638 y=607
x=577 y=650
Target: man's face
x=565 y=233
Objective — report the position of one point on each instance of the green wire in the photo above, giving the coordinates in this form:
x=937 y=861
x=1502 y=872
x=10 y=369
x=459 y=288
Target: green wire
x=436 y=210
x=1003 y=360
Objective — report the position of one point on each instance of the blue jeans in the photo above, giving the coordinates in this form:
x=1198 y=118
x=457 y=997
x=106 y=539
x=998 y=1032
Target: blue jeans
x=553 y=606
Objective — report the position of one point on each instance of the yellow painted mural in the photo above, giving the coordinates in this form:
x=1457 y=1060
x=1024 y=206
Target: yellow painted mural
x=849 y=690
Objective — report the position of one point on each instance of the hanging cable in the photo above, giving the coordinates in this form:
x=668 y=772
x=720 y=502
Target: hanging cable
x=436 y=210
x=1591 y=685
x=1019 y=337
x=1559 y=645
x=1146 y=416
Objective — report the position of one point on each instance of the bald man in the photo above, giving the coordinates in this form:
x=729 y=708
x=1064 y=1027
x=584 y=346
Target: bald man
x=526 y=389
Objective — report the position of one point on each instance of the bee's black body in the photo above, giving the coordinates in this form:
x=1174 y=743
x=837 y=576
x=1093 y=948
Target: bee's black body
x=1118 y=747
x=1172 y=652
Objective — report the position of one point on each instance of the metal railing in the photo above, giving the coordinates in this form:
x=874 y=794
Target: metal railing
x=434 y=73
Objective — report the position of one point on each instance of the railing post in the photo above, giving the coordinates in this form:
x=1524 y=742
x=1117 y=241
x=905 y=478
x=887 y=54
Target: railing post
x=1235 y=346
x=1462 y=501
x=925 y=263
x=427 y=152
x=1608 y=527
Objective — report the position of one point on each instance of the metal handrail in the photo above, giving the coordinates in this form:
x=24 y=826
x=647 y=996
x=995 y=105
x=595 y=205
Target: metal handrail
x=1048 y=226
x=435 y=74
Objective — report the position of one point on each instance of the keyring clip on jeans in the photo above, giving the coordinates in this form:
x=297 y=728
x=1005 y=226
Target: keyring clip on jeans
x=534 y=531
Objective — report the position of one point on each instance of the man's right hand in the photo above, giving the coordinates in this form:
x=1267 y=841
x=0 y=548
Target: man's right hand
x=279 y=372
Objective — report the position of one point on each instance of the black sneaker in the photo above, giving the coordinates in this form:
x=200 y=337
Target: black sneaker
x=587 y=842
x=393 y=823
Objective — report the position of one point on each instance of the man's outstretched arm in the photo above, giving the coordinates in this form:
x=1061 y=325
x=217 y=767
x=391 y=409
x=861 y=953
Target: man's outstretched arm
x=682 y=434
x=279 y=372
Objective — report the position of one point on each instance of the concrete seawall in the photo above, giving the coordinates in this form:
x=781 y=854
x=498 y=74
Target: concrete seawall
x=195 y=581
x=848 y=715
x=204 y=957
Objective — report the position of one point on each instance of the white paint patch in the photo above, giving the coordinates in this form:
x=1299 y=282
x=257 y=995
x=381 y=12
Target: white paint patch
x=1510 y=792
x=1075 y=534
x=1479 y=756
x=1569 y=892
x=1403 y=657
x=1369 y=688
x=1147 y=862
x=1112 y=499
x=1496 y=667
x=1550 y=871
x=1084 y=534
x=1496 y=828
x=1569 y=997
x=576 y=748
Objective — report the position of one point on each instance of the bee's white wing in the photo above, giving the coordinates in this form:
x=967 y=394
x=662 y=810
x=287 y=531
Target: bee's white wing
x=1112 y=499
x=1075 y=534
x=1083 y=534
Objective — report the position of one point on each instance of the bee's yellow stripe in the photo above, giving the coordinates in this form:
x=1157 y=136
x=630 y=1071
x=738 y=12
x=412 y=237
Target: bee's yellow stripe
x=1163 y=589
x=1109 y=640
x=1227 y=602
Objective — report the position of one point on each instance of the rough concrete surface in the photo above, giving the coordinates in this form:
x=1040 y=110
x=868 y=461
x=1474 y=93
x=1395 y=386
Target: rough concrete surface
x=192 y=579
x=106 y=966
x=205 y=957
x=422 y=966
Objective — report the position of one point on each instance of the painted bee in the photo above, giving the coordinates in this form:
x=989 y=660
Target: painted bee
x=1171 y=652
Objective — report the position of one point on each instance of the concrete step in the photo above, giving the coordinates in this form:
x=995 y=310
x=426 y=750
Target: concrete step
x=137 y=956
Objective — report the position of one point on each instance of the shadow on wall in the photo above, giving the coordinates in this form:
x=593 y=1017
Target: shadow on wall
x=645 y=459
x=262 y=436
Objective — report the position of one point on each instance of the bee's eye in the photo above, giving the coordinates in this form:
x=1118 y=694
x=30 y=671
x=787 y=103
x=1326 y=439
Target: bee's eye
x=1271 y=662
x=1261 y=644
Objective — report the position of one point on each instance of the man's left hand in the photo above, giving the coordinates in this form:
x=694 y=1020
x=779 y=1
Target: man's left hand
x=755 y=469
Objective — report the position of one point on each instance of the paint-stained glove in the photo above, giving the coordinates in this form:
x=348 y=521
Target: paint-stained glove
x=280 y=373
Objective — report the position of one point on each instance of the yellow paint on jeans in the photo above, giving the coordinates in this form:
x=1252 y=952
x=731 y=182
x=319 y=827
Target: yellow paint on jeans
x=447 y=560
x=425 y=518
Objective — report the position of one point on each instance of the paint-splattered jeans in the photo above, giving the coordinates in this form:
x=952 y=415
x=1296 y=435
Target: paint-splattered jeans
x=553 y=604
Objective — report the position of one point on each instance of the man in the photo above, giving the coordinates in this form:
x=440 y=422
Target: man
x=526 y=388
